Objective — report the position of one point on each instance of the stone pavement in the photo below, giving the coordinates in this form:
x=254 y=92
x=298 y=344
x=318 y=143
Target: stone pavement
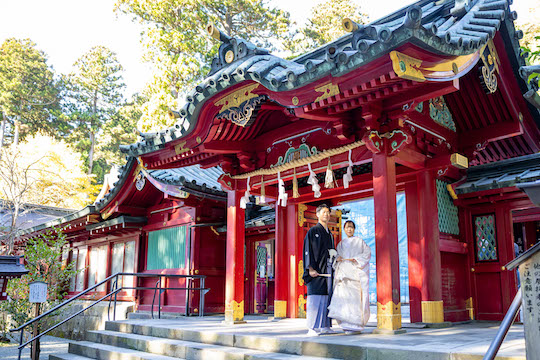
x=49 y=345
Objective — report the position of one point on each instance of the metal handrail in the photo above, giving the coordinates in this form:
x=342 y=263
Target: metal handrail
x=503 y=329
x=115 y=291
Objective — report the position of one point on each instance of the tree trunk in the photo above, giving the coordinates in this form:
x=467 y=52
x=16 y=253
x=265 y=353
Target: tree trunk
x=92 y=134
x=17 y=126
x=2 y=130
x=13 y=231
x=228 y=24
x=91 y=152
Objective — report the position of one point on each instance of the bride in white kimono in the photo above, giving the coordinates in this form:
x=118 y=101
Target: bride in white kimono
x=350 y=298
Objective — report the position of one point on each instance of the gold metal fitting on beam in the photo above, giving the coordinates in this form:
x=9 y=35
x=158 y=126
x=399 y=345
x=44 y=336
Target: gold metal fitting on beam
x=459 y=161
x=349 y=25
x=173 y=114
x=213 y=31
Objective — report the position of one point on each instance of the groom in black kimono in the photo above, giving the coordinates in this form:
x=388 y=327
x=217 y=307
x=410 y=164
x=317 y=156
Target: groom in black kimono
x=317 y=242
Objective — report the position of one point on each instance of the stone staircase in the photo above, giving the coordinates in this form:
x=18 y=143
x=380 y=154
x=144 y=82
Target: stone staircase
x=125 y=341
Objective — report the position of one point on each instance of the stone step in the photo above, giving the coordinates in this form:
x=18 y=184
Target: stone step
x=67 y=356
x=108 y=352
x=320 y=347
x=185 y=349
x=269 y=344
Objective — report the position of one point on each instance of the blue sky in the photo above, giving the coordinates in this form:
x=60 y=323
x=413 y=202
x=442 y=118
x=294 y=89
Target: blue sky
x=65 y=29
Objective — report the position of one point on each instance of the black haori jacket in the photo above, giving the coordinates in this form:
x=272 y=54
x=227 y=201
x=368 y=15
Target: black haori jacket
x=316 y=245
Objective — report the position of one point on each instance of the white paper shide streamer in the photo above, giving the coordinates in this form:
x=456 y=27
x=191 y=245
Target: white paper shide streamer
x=312 y=180
x=245 y=199
x=347 y=178
x=282 y=194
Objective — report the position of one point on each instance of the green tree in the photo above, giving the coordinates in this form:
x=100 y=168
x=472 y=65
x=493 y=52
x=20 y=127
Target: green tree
x=531 y=40
x=120 y=129
x=29 y=94
x=46 y=259
x=324 y=25
x=93 y=98
x=177 y=45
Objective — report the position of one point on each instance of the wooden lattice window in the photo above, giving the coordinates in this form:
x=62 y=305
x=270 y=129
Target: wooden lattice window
x=167 y=248
x=448 y=212
x=262 y=254
x=485 y=238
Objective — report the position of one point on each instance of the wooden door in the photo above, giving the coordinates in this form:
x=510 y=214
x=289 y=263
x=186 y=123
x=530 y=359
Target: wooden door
x=252 y=272
x=493 y=286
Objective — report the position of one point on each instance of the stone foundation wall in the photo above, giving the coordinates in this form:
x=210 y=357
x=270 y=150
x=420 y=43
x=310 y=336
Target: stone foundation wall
x=92 y=319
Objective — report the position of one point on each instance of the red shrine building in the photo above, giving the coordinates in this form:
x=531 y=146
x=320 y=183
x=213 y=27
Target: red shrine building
x=431 y=101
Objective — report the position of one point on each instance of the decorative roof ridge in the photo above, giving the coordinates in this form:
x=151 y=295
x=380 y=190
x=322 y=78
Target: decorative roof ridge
x=123 y=172
x=429 y=23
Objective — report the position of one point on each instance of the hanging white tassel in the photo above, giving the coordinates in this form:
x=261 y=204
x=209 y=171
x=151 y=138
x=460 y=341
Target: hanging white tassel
x=282 y=194
x=262 y=199
x=245 y=199
x=329 y=178
x=312 y=180
x=347 y=178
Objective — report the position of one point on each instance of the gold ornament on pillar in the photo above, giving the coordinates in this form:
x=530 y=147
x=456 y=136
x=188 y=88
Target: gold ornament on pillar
x=329 y=178
x=296 y=194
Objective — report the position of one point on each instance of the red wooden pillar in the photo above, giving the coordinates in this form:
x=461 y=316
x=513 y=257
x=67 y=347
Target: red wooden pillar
x=282 y=264
x=386 y=243
x=430 y=259
x=234 y=277
x=415 y=252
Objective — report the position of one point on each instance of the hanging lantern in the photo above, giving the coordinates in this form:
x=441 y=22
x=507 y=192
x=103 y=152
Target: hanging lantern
x=296 y=194
x=329 y=178
x=347 y=178
x=314 y=182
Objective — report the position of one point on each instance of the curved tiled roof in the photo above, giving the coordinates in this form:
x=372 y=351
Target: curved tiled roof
x=190 y=178
x=438 y=26
x=501 y=174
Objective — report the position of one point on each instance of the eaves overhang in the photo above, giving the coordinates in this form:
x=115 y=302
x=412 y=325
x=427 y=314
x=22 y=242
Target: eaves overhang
x=442 y=28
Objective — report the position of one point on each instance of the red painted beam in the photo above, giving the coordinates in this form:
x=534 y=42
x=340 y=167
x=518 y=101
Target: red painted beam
x=227 y=147
x=422 y=93
x=423 y=121
x=526 y=215
x=494 y=132
x=411 y=158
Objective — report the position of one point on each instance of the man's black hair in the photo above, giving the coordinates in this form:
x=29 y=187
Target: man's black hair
x=320 y=207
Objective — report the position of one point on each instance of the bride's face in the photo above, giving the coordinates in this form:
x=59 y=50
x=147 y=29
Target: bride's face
x=349 y=230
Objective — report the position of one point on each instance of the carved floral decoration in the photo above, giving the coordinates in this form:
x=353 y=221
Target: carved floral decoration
x=390 y=142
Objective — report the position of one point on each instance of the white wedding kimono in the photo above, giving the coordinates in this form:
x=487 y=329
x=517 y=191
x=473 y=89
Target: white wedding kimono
x=350 y=299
